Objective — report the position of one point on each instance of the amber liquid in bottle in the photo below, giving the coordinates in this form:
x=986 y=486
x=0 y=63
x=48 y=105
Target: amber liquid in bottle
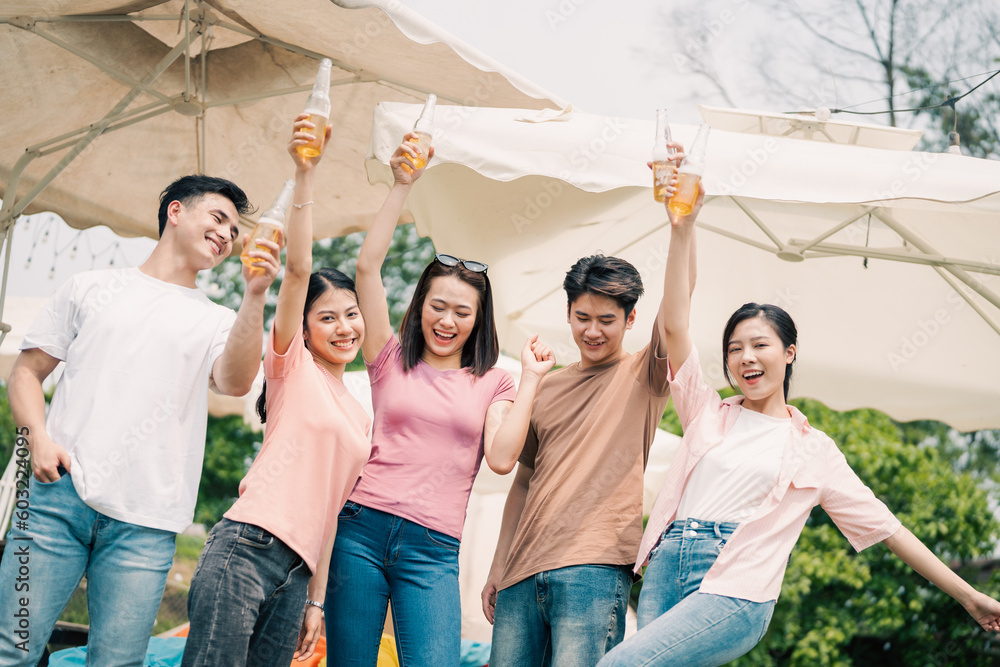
x=315 y=147
x=687 y=193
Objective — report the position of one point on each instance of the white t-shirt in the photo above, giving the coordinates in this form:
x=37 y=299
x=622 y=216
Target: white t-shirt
x=131 y=406
x=731 y=481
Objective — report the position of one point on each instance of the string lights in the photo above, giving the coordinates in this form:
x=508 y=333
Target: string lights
x=46 y=225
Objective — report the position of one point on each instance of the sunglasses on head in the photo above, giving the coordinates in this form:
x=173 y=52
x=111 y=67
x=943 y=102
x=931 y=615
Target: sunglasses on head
x=451 y=260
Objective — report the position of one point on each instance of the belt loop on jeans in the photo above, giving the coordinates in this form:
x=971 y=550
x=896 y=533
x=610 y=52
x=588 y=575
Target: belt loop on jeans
x=718 y=531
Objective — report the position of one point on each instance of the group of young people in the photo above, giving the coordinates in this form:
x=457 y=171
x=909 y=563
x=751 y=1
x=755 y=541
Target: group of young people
x=341 y=516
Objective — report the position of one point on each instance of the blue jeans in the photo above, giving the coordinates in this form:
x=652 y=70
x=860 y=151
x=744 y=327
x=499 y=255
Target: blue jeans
x=677 y=624
x=247 y=599
x=568 y=617
x=59 y=540
x=378 y=557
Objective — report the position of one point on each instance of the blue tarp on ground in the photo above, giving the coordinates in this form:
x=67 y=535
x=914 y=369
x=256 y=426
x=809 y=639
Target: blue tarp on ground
x=162 y=652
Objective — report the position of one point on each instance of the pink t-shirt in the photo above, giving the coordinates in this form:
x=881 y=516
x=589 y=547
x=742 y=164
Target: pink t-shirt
x=427 y=443
x=315 y=444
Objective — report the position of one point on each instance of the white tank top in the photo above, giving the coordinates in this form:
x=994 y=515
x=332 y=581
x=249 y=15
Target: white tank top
x=734 y=477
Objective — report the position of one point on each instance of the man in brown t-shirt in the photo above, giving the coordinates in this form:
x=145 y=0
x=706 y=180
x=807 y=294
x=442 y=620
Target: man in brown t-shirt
x=559 y=585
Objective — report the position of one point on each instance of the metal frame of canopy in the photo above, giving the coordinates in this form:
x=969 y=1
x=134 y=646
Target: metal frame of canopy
x=196 y=20
x=916 y=251
x=799 y=205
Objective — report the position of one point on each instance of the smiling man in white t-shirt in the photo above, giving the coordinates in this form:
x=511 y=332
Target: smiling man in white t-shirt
x=116 y=463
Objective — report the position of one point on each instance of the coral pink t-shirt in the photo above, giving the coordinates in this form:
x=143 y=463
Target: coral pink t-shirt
x=427 y=443
x=315 y=444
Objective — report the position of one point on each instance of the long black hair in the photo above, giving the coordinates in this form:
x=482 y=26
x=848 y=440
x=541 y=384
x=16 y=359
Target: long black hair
x=779 y=320
x=482 y=349
x=320 y=282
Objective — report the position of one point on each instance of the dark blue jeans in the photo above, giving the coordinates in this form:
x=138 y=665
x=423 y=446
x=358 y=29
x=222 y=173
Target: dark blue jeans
x=569 y=617
x=247 y=599
x=379 y=557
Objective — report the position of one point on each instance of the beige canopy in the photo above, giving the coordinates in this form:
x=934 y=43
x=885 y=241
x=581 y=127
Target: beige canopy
x=107 y=101
x=892 y=257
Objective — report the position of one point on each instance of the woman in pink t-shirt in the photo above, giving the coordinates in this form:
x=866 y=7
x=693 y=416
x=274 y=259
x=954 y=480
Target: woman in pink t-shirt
x=440 y=408
x=748 y=473
x=262 y=575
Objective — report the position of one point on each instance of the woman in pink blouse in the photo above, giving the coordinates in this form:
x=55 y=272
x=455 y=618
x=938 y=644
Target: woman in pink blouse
x=749 y=471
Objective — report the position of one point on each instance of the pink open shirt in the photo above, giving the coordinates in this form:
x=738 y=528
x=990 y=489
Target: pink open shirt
x=813 y=472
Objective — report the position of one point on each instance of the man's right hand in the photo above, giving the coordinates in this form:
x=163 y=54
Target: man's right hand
x=46 y=457
x=490 y=596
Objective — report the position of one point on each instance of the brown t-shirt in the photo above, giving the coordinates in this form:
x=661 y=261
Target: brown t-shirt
x=588 y=443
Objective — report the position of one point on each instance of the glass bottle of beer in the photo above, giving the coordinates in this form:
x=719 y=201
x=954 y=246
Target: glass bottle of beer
x=689 y=174
x=318 y=108
x=424 y=129
x=269 y=226
x=663 y=167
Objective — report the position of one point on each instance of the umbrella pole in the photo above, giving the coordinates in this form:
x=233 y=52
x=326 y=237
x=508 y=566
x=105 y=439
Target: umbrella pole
x=8 y=239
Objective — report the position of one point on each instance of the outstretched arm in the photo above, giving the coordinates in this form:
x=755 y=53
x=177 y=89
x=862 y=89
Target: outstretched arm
x=507 y=423
x=914 y=553
x=371 y=291
x=678 y=285
x=299 y=239
x=234 y=371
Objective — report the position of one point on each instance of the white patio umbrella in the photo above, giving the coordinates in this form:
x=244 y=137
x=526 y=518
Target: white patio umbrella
x=107 y=101
x=893 y=256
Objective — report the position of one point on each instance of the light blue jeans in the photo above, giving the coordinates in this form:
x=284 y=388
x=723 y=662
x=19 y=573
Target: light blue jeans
x=679 y=626
x=247 y=599
x=379 y=557
x=50 y=548
x=568 y=617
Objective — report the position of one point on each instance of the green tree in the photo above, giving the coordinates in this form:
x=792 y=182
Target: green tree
x=8 y=429
x=840 y=608
x=230 y=447
x=408 y=254
x=976 y=118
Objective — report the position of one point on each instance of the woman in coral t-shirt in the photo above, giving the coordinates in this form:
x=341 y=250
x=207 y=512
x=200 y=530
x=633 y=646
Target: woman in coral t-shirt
x=262 y=575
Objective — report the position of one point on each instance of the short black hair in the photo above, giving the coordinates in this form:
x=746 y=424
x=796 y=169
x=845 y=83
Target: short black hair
x=612 y=277
x=187 y=189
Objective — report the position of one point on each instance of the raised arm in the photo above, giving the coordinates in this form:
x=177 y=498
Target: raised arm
x=914 y=553
x=298 y=239
x=507 y=423
x=27 y=405
x=371 y=291
x=234 y=371
x=678 y=285
x=512 y=510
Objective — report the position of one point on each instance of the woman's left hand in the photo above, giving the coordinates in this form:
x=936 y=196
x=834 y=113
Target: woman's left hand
x=985 y=610
x=312 y=622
